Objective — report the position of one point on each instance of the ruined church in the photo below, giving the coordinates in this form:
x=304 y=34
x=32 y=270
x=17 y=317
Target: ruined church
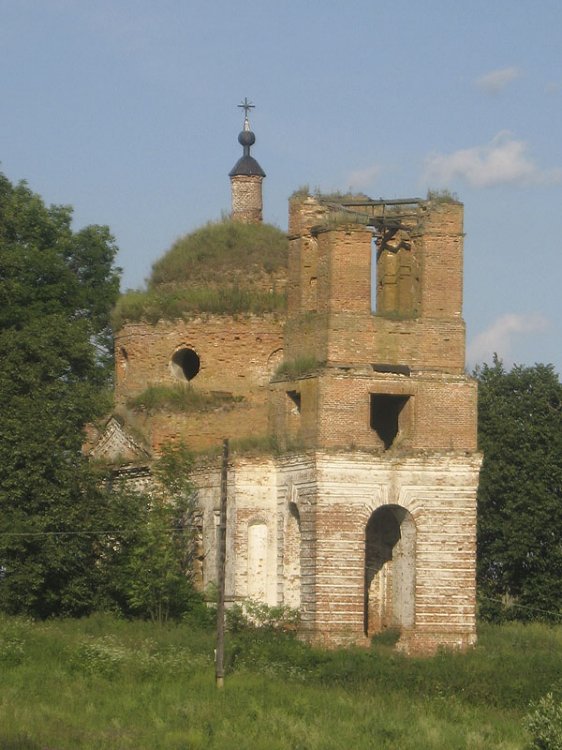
x=356 y=503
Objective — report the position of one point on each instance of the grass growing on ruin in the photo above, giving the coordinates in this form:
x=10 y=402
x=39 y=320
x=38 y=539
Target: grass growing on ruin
x=176 y=303
x=220 y=249
x=255 y=445
x=295 y=368
x=99 y=682
x=265 y=445
x=442 y=196
x=180 y=398
x=223 y=268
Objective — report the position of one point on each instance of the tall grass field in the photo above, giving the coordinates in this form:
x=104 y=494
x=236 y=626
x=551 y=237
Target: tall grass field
x=104 y=683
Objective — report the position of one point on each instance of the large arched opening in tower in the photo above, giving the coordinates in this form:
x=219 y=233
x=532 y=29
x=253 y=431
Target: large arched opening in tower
x=390 y=570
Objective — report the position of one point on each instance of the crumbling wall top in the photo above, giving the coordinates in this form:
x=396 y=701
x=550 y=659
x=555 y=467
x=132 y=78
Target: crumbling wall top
x=310 y=214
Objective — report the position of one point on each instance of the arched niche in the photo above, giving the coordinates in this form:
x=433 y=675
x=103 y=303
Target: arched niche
x=292 y=557
x=257 y=560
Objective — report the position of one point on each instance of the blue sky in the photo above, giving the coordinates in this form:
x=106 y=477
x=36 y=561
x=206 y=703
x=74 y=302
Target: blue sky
x=126 y=109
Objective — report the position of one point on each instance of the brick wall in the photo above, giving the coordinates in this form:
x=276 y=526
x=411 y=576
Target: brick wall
x=337 y=326
x=237 y=356
x=335 y=495
x=330 y=298
x=439 y=491
x=440 y=245
x=335 y=410
x=247 y=198
x=344 y=270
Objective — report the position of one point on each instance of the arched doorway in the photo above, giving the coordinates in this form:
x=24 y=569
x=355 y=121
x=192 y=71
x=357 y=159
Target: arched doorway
x=390 y=550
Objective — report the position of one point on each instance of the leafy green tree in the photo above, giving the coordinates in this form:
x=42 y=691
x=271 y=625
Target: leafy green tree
x=520 y=493
x=148 y=563
x=57 y=288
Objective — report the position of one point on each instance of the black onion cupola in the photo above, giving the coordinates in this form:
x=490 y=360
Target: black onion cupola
x=246 y=177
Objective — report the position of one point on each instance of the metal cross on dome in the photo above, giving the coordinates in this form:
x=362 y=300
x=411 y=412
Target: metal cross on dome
x=246 y=106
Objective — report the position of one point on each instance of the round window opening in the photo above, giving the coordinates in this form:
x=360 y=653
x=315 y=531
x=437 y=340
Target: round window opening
x=185 y=364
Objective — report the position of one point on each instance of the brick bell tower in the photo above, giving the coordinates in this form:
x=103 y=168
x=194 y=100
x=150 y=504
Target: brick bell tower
x=246 y=178
x=375 y=392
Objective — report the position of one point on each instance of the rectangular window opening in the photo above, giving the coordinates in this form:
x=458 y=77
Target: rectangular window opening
x=295 y=397
x=385 y=416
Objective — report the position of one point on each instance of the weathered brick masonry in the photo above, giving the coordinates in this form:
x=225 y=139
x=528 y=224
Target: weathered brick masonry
x=388 y=418
x=366 y=519
x=233 y=356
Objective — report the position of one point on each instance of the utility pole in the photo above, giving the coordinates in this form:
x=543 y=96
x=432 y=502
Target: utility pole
x=221 y=572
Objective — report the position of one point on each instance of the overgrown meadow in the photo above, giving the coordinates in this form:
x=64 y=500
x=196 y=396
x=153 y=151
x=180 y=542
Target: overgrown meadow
x=106 y=683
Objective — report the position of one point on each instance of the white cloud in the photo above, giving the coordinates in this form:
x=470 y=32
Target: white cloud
x=496 y=80
x=360 y=179
x=499 y=336
x=502 y=161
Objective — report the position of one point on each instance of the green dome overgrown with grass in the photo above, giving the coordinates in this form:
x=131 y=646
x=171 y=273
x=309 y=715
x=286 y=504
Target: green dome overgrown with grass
x=218 y=249
x=223 y=268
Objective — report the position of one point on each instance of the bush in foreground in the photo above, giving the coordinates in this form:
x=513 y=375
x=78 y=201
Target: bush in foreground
x=544 y=723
